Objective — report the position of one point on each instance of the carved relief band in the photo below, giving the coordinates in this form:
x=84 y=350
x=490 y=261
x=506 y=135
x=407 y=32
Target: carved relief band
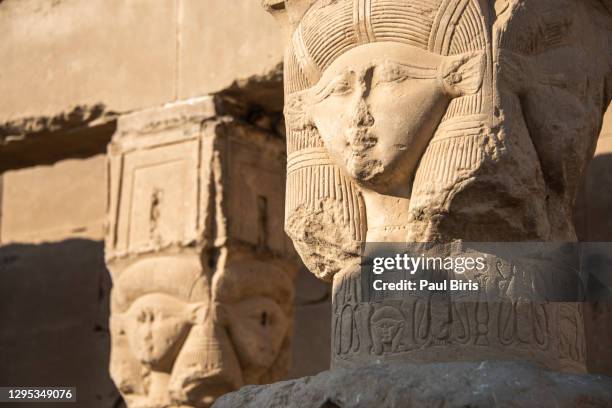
x=202 y=274
x=524 y=302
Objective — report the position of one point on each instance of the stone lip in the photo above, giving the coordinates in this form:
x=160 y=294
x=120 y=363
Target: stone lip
x=458 y=384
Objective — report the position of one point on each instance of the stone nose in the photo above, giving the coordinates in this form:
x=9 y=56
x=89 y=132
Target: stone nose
x=361 y=115
x=207 y=366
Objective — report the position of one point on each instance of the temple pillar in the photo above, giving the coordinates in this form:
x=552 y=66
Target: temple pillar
x=202 y=299
x=444 y=130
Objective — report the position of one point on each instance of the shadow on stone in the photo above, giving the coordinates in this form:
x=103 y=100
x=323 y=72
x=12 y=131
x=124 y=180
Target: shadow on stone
x=54 y=313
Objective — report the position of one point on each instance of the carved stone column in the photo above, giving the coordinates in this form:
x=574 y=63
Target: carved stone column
x=444 y=122
x=202 y=274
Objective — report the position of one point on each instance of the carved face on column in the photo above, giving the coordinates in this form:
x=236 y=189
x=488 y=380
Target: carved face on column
x=155 y=324
x=177 y=340
x=368 y=84
x=378 y=143
x=254 y=302
x=478 y=117
x=414 y=99
x=387 y=324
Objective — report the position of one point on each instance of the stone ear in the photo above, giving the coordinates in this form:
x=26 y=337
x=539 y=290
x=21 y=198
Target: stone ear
x=462 y=74
x=297 y=111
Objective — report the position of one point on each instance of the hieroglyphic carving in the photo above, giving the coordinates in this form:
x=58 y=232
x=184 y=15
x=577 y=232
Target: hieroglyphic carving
x=525 y=307
x=203 y=275
x=443 y=120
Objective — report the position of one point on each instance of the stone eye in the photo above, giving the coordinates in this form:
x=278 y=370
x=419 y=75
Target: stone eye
x=388 y=73
x=340 y=87
x=142 y=316
x=264 y=318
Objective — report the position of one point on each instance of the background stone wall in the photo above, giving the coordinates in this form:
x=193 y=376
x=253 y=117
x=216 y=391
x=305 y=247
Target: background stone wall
x=54 y=294
x=70 y=69
x=127 y=55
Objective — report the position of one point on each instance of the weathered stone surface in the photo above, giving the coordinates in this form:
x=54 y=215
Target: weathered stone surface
x=400 y=385
x=431 y=206
x=78 y=133
x=443 y=121
x=202 y=301
x=80 y=116
x=264 y=92
x=70 y=342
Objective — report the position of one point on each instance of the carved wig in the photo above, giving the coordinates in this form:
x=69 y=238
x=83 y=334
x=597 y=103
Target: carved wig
x=318 y=192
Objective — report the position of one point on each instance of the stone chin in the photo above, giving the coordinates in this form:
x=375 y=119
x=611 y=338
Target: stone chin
x=364 y=169
x=383 y=173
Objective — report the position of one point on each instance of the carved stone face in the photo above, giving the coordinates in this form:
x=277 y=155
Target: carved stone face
x=376 y=142
x=386 y=329
x=386 y=323
x=155 y=323
x=258 y=326
x=198 y=342
x=253 y=302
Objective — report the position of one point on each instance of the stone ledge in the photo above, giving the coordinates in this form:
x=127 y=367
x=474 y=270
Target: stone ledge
x=81 y=132
x=459 y=384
